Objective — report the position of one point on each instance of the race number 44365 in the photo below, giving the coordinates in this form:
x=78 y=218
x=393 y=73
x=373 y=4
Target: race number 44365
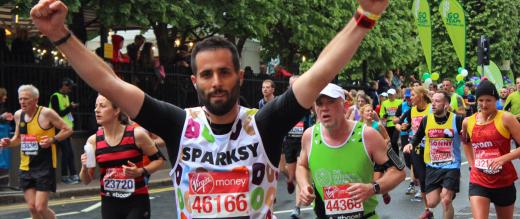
x=219 y=194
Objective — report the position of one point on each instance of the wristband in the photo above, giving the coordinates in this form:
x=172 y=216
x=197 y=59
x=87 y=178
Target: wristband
x=365 y=21
x=62 y=40
x=145 y=172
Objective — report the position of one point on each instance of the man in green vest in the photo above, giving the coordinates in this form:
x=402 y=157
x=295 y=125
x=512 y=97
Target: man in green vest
x=339 y=156
x=61 y=103
x=512 y=103
x=456 y=101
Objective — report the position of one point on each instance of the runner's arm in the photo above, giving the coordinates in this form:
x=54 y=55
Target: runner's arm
x=15 y=140
x=303 y=174
x=59 y=123
x=275 y=120
x=86 y=175
x=348 y=114
x=466 y=143
x=49 y=17
x=513 y=126
x=334 y=57
x=143 y=141
x=379 y=154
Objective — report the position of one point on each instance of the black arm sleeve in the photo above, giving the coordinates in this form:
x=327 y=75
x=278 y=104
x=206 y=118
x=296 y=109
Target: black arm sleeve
x=165 y=120
x=507 y=107
x=275 y=119
x=55 y=105
x=399 y=111
x=417 y=138
x=458 y=123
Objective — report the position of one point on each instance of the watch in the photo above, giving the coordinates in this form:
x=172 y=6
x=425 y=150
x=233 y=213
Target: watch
x=376 y=187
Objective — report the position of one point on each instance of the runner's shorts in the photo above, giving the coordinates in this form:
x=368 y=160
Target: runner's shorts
x=291 y=149
x=500 y=196
x=442 y=178
x=44 y=181
x=133 y=207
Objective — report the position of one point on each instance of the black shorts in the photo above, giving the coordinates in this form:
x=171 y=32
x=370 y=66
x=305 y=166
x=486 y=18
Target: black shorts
x=419 y=167
x=133 y=207
x=442 y=178
x=499 y=196
x=291 y=149
x=44 y=181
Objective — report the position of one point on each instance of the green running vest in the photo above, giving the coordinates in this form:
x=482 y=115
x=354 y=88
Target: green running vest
x=333 y=167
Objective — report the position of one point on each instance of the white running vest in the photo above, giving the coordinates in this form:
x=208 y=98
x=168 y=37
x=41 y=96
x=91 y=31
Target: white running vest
x=223 y=176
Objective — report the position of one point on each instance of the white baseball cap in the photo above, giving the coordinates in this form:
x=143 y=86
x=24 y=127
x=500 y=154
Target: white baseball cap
x=391 y=91
x=334 y=91
x=384 y=94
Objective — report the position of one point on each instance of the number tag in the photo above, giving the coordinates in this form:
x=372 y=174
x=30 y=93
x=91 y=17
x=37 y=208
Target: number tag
x=29 y=145
x=483 y=157
x=339 y=204
x=441 y=151
x=116 y=181
x=297 y=130
x=219 y=194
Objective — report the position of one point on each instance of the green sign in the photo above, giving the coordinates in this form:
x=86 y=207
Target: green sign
x=493 y=73
x=454 y=20
x=421 y=12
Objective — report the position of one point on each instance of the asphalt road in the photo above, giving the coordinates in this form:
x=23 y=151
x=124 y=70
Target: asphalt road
x=163 y=204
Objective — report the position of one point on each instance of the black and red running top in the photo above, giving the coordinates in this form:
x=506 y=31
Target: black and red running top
x=110 y=159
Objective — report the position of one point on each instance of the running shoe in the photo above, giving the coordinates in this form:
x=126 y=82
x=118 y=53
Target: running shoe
x=411 y=189
x=295 y=213
x=417 y=197
x=427 y=214
x=386 y=198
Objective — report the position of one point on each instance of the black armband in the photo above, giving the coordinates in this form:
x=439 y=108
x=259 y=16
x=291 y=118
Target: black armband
x=379 y=168
x=157 y=155
x=393 y=160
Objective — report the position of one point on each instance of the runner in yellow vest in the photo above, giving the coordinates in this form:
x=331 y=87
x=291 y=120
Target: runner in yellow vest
x=61 y=103
x=35 y=133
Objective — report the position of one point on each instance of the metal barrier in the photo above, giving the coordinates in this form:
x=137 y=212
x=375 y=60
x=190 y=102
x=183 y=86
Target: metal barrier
x=175 y=88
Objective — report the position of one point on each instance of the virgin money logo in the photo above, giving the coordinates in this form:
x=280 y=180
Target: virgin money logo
x=202 y=183
x=330 y=192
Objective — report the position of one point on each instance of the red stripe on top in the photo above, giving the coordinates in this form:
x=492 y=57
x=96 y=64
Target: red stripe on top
x=127 y=140
x=123 y=155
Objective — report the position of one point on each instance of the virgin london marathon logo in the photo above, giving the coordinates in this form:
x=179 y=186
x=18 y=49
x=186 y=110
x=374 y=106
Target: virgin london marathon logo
x=202 y=183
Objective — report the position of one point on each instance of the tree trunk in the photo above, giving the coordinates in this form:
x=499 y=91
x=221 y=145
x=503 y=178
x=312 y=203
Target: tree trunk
x=78 y=25
x=166 y=50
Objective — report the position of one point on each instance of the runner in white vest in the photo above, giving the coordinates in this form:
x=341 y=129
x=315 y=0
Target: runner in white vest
x=222 y=154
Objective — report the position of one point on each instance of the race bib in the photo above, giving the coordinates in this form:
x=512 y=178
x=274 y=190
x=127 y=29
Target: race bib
x=116 y=184
x=483 y=158
x=391 y=111
x=297 y=130
x=339 y=204
x=29 y=145
x=441 y=151
x=219 y=194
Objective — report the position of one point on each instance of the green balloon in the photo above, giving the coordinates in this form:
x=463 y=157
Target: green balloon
x=425 y=76
x=459 y=70
x=435 y=76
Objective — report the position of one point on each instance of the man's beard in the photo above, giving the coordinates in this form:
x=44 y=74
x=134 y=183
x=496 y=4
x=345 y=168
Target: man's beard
x=220 y=108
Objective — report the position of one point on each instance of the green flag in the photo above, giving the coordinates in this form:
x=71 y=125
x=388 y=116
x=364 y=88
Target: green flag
x=493 y=73
x=421 y=12
x=454 y=19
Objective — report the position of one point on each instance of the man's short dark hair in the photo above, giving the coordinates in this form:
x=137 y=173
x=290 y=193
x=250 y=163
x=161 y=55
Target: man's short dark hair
x=213 y=43
x=445 y=94
x=139 y=37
